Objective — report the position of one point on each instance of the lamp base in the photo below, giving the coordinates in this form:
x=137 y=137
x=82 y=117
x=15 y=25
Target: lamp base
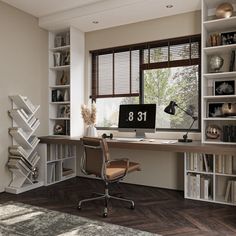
x=185 y=140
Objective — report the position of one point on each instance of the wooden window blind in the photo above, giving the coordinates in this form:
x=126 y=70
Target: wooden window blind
x=116 y=71
x=115 y=74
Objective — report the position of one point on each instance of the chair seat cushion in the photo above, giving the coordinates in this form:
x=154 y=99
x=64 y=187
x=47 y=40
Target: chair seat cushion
x=117 y=169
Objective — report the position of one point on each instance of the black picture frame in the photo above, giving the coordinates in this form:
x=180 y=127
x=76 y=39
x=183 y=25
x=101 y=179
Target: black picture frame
x=225 y=87
x=215 y=109
x=228 y=38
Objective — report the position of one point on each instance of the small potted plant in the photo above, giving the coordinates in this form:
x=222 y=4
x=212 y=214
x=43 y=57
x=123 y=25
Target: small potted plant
x=89 y=117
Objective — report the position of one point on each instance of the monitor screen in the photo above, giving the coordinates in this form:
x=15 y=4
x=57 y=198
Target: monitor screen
x=137 y=116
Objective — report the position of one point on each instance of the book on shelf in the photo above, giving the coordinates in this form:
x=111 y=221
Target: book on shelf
x=232 y=61
x=22 y=111
x=17 y=150
x=206 y=193
x=35 y=124
x=227 y=192
x=198 y=186
x=195 y=162
x=33 y=140
x=20 y=158
x=224 y=164
x=19 y=165
x=32 y=121
x=205 y=163
x=67 y=171
x=34 y=158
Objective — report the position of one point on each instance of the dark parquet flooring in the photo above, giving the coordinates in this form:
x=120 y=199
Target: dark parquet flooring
x=157 y=210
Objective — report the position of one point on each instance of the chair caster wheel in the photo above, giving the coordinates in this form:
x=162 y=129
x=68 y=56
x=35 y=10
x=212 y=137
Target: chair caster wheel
x=79 y=208
x=132 y=206
x=104 y=215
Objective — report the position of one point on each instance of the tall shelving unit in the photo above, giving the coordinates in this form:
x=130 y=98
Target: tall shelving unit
x=210 y=26
x=66 y=81
x=23 y=157
x=210 y=177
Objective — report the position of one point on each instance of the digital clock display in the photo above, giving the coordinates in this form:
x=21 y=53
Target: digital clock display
x=139 y=116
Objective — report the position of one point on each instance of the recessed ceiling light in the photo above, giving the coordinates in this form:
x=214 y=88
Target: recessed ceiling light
x=169 y=6
x=95 y=22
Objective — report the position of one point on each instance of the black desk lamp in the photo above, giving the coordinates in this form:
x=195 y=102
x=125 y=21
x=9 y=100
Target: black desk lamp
x=170 y=109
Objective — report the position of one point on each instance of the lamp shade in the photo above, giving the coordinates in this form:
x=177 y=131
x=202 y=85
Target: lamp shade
x=170 y=109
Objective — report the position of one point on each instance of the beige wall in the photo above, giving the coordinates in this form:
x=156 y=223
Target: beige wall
x=23 y=68
x=162 y=169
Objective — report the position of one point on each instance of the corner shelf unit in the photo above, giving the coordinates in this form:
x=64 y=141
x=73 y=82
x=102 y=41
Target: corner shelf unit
x=23 y=158
x=210 y=26
x=210 y=178
x=66 y=81
x=58 y=162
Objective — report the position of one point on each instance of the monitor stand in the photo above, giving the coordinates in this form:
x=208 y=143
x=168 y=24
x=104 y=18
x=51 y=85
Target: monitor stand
x=140 y=134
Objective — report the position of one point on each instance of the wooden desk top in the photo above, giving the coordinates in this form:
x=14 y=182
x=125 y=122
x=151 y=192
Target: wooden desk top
x=156 y=145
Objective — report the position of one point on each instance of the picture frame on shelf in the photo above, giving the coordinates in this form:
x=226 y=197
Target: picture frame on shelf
x=228 y=38
x=214 y=109
x=224 y=87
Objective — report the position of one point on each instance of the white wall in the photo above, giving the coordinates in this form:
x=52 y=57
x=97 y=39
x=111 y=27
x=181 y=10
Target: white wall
x=162 y=169
x=23 y=68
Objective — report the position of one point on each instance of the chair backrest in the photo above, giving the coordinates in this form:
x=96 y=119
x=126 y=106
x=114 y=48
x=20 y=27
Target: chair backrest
x=96 y=155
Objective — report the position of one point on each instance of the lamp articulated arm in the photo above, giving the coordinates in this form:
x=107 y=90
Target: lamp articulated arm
x=170 y=109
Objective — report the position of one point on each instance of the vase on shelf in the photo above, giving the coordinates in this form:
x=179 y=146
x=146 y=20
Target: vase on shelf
x=91 y=131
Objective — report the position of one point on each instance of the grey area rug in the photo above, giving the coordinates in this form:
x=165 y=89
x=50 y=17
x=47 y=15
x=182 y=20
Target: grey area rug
x=26 y=220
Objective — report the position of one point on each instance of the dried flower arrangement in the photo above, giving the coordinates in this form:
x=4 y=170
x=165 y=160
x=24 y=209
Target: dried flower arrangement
x=88 y=115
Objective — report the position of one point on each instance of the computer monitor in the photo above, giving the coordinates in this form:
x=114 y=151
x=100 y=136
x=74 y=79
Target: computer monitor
x=137 y=117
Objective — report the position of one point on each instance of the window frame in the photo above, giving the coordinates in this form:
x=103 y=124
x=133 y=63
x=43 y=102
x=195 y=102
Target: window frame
x=148 y=66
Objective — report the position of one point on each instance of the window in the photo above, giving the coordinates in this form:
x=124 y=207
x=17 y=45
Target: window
x=153 y=72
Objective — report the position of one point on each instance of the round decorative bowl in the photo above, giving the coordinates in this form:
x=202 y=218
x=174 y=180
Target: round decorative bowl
x=224 y=10
x=213 y=132
x=229 y=109
x=216 y=62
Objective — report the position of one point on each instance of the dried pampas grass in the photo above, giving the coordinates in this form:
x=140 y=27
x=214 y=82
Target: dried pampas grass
x=88 y=115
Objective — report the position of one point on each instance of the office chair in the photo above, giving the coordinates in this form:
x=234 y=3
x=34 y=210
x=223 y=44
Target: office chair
x=96 y=161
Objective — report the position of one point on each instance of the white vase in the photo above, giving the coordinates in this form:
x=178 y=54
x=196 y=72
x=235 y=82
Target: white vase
x=91 y=131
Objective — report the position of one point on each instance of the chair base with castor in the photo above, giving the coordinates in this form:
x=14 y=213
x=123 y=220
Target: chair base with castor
x=106 y=196
x=96 y=161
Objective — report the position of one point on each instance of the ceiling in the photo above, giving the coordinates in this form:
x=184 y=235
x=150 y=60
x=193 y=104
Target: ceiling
x=90 y=15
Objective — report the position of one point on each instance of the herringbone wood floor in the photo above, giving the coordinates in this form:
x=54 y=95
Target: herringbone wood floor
x=157 y=210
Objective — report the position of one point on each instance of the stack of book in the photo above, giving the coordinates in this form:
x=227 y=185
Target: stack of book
x=198 y=186
x=225 y=164
x=200 y=162
x=17 y=150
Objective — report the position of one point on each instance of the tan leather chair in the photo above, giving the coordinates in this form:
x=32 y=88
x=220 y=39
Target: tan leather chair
x=96 y=161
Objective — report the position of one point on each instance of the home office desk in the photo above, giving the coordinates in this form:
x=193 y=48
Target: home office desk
x=162 y=162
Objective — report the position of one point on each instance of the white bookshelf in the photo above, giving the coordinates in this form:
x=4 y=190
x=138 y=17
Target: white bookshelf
x=23 y=157
x=210 y=183
x=66 y=78
x=58 y=162
x=212 y=25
